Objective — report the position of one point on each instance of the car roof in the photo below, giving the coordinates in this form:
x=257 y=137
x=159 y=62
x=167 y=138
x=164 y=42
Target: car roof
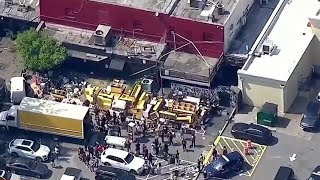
x=283 y=173
x=72 y=172
x=232 y=156
x=116 y=152
x=19 y=160
x=112 y=170
x=240 y=126
x=22 y=142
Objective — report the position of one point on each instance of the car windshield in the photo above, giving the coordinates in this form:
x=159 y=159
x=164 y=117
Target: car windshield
x=35 y=146
x=218 y=164
x=32 y=164
x=129 y=158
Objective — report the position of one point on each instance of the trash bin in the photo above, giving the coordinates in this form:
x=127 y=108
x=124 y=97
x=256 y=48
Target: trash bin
x=268 y=114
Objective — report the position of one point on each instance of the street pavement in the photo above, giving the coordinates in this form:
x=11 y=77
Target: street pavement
x=69 y=150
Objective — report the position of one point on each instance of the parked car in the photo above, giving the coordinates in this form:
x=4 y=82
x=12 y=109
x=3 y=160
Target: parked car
x=225 y=165
x=108 y=173
x=315 y=175
x=28 y=148
x=5 y=175
x=253 y=132
x=284 y=173
x=71 y=173
x=122 y=160
x=27 y=167
x=310 y=118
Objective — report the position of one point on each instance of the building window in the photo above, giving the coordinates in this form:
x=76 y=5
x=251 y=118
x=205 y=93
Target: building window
x=208 y=36
x=137 y=25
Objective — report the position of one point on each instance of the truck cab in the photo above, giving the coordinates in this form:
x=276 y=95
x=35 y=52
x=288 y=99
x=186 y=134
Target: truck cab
x=9 y=118
x=17 y=89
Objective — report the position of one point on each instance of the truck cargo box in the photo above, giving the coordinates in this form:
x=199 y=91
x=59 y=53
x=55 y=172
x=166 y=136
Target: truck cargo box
x=52 y=117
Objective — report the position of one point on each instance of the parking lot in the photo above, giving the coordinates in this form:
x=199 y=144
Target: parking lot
x=252 y=159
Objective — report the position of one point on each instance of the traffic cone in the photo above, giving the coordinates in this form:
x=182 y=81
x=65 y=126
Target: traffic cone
x=249 y=145
x=245 y=150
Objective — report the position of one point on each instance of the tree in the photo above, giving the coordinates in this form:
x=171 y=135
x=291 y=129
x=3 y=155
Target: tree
x=39 y=51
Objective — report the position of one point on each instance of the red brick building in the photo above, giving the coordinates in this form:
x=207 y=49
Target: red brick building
x=204 y=28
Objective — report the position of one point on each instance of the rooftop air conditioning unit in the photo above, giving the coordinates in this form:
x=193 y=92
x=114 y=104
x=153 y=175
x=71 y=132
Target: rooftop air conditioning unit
x=268 y=47
x=147 y=84
x=102 y=35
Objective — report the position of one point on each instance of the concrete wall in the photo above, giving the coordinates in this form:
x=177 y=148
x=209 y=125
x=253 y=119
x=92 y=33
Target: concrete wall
x=299 y=76
x=235 y=21
x=257 y=91
x=315 y=43
x=135 y=22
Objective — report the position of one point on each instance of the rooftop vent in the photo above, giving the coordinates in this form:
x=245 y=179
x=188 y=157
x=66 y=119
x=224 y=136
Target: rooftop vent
x=220 y=9
x=199 y=4
x=102 y=35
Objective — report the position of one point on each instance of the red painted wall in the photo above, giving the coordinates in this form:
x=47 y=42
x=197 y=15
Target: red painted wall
x=88 y=14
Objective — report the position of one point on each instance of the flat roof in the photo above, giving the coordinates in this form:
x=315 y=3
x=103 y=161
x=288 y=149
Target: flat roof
x=163 y=6
x=30 y=11
x=181 y=8
x=184 y=10
x=53 y=108
x=190 y=68
x=256 y=20
x=290 y=35
x=124 y=46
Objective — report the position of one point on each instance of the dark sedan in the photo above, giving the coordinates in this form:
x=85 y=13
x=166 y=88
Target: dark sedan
x=27 y=167
x=225 y=165
x=310 y=119
x=253 y=132
x=315 y=175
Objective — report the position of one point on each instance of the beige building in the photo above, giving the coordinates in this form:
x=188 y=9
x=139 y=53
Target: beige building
x=283 y=57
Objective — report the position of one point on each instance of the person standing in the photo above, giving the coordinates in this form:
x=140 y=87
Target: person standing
x=88 y=160
x=184 y=145
x=150 y=158
x=138 y=149
x=119 y=131
x=224 y=151
x=53 y=159
x=214 y=153
x=91 y=151
x=162 y=136
x=145 y=153
x=177 y=157
x=128 y=144
x=199 y=165
x=159 y=169
x=171 y=138
x=193 y=141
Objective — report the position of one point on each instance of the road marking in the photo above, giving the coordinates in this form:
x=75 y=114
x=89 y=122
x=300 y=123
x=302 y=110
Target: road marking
x=241 y=153
x=261 y=154
x=23 y=177
x=231 y=149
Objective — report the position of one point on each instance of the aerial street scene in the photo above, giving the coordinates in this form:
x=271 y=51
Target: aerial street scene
x=159 y=89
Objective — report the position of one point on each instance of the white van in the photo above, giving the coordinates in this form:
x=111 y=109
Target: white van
x=17 y=89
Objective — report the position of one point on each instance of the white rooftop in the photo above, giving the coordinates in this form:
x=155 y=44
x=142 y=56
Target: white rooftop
x=291 y=36
x=53 y=108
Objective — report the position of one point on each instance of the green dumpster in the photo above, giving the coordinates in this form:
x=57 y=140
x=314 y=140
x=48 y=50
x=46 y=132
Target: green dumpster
x=268 y=114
